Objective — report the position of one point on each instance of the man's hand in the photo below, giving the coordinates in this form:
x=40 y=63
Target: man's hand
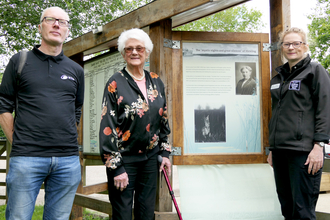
x=7 y=125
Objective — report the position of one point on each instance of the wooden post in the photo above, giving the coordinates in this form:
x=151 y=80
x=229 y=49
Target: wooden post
x=279 y=21
x=161 y=63
x=8 y=150
x=77 y=211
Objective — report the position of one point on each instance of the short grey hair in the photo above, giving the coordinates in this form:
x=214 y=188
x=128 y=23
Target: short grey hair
x=54 y=7
x=247 y=68
x=134 y=33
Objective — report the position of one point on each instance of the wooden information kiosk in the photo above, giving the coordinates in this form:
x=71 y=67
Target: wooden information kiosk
x=199 y=90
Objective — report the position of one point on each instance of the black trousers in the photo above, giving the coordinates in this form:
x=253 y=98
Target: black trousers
x=297 y=190
x=142 y=186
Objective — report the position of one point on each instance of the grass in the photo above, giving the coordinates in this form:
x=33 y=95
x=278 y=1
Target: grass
x=38 y=212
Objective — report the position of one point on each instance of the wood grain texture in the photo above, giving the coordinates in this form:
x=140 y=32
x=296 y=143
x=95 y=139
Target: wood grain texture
x=189 y=10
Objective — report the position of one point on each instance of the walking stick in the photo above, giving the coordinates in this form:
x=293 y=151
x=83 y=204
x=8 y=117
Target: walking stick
x=160 y=160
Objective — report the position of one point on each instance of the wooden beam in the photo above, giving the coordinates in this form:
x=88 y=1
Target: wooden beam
x=77 y=211
x=279 y=21
x=266 y=97
x=177 y=91
x=149 y=14
x=91 y=203
x=203 y=11
x=218 y=159
x=8 y=151
x=96 y=188
x=161 y=64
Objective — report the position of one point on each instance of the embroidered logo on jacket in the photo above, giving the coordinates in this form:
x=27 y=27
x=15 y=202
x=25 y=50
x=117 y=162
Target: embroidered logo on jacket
x=295 y=85
x=67 y=77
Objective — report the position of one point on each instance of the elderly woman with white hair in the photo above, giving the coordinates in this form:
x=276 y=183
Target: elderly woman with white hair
x=134 y=130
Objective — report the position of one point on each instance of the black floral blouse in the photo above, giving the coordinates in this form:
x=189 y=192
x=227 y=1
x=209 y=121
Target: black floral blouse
x=131 y=128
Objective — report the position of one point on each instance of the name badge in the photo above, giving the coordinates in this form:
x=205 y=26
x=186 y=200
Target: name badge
x=275 y=86
x=295 y=85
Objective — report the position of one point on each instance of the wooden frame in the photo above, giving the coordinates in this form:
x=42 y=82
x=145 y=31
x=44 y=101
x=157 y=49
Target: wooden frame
x=178 y=90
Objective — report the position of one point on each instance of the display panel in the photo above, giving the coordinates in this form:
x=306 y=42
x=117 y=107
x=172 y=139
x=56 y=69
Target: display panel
x=221 y=98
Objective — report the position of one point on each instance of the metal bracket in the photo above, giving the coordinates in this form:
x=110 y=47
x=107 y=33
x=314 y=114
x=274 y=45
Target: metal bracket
x=174 y=44
x=97 y=30
x=176 y=151
x=270 y=47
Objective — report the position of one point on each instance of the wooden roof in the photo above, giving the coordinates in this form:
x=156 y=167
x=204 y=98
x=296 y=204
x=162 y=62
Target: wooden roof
x=180 y=11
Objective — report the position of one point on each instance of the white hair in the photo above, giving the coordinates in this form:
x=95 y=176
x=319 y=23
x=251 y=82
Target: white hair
x=248 y=68
x=54 y=7
x=134 y=33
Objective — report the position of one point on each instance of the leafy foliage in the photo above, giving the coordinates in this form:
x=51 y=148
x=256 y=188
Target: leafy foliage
x=236 y=19
x=2 y=135
x=319 y=33
x=19 y=20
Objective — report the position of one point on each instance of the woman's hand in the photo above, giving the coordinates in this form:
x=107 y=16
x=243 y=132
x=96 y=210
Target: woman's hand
x=270 y=159
x=315 y=159
x=167 y=163
x=121 y=181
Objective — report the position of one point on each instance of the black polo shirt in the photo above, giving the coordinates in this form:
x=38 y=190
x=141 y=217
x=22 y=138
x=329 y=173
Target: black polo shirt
x=50 y=97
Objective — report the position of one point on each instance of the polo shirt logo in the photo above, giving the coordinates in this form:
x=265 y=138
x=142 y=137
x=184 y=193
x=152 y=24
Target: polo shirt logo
x=295 y=85
x=64 y=77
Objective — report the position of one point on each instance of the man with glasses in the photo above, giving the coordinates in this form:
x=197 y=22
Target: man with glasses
x=47 y=97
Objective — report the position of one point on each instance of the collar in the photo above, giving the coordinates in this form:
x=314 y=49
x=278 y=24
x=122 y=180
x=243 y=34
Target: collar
x=44 y=57
x=285 y=69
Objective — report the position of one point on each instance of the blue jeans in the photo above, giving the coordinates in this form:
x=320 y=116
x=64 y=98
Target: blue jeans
x=61 y=177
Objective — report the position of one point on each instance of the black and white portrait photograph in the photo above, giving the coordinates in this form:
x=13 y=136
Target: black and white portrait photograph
x=245 y=78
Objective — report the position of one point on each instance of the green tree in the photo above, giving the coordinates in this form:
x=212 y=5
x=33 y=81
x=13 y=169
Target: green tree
x=236 y=19
x=319 y=33
x=19 y=20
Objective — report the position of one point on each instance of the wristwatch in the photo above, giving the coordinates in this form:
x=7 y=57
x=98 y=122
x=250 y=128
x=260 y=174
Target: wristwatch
x=321 y=144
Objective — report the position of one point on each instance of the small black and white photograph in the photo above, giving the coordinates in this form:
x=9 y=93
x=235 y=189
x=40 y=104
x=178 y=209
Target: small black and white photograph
x=245 y=78
x=210 y=124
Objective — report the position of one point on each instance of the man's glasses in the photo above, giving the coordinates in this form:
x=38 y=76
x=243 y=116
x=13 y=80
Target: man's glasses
x=129 y=50
x=295 y=44
x=61 y=22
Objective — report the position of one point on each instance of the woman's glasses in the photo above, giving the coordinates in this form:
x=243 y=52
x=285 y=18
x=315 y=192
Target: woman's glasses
x=295 y=44
x=129 y=50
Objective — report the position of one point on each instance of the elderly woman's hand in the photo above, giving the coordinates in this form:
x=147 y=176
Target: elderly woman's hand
x=167 y=163
x=121 y=181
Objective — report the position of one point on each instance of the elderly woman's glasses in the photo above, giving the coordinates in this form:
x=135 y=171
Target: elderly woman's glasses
x=295 y=44
x=61 y=22
x=129 y=50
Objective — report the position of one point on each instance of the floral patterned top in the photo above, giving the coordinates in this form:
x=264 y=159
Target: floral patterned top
x=131 y=128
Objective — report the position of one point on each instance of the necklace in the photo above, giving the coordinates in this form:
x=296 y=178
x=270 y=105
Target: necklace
x=138 y=79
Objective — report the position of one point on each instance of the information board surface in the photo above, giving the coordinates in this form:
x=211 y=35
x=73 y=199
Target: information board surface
x=221 y=98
